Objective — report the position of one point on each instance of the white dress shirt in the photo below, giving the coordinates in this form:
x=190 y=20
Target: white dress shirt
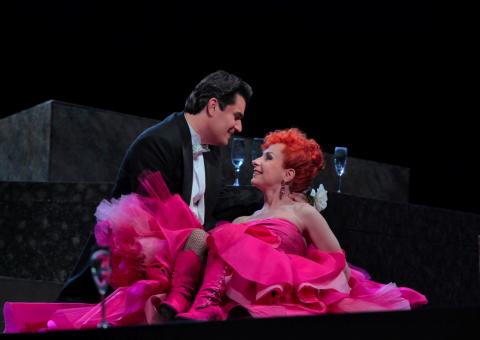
x=197 y=201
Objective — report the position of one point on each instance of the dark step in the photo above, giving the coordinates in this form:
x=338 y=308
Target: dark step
x=62 y=142
x=433 y=250
x=20 y=290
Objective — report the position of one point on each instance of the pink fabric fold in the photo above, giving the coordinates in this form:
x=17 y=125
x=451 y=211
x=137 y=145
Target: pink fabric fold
x=144 y=232
x=275 y=273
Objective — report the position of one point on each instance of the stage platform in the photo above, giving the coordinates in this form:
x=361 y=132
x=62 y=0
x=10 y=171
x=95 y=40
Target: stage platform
x=49 y=192
x=424 y=324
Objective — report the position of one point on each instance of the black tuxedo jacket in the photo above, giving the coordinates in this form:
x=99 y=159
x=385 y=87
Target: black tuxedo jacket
x=167 y=147
x=164 y=147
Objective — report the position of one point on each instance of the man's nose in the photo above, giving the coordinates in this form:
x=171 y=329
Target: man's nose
x=238 y=126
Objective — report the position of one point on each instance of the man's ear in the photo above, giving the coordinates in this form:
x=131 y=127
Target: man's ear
x=212 y=106
x=289 y=175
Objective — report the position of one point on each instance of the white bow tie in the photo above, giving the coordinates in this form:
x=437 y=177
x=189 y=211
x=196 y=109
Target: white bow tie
x=198 y=149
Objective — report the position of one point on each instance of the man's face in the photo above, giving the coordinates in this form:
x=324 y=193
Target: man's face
x=226 y=122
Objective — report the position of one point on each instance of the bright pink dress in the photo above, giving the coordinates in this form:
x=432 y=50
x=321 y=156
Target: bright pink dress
x=273 y=272
x=144 y=232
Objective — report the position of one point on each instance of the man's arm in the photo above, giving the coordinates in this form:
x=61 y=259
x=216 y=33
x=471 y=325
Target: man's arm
x=144 y=154
x=148 y=153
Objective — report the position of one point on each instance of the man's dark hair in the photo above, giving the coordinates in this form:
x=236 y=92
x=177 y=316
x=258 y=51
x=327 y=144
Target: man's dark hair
x=221 y=85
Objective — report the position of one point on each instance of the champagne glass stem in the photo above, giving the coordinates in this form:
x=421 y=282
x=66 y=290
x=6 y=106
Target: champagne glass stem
x=237 y=172
x=103 y=323
x=339 y=184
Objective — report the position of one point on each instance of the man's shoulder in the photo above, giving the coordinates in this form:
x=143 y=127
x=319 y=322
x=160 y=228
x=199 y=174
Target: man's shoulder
x=170 y=127
x=167 y=124
x=164 y=136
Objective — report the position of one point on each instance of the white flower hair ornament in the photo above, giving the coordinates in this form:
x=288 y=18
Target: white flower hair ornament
x=318 y=198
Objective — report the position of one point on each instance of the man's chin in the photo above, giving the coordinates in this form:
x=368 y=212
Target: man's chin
x=225 y=142
x=221 y=142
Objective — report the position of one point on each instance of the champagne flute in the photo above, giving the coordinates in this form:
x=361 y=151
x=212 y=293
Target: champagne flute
x=256 y=151
x=101 y=270
x=237 y=154
x=340 y=162
x=256 y=148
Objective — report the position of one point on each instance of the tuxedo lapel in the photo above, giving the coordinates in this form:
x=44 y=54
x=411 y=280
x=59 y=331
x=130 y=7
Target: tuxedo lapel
x=213 y=168
x=213 y=179
x=186 y=140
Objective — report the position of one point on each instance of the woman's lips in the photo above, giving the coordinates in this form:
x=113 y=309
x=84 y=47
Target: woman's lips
x=256 y=172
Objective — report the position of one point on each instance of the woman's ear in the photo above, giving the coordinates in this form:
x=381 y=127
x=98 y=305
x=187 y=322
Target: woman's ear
x=289 y=175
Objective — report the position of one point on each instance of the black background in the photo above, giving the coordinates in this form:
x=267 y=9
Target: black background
x=387 y=79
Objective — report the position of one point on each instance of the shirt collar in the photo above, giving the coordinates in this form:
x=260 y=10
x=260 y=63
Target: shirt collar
x=197 y=146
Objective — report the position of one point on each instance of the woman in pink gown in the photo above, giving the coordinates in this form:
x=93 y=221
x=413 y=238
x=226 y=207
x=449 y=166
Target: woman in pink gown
x=282 y=261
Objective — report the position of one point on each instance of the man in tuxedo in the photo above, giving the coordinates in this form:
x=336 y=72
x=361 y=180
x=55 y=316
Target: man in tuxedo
x=184 y=147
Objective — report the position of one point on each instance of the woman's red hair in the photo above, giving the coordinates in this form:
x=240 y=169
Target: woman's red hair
x=300 y=153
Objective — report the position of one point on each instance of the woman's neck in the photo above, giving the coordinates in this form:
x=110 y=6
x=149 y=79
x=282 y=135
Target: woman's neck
x=272 y=200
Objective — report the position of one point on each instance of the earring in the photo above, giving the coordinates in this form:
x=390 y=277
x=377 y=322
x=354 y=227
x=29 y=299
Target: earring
x=282 y=189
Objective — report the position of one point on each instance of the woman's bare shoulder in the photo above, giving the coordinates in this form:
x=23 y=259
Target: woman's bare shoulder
x=302 y=209
x=308 y=215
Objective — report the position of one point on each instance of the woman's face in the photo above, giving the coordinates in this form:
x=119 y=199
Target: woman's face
x=269 y=169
